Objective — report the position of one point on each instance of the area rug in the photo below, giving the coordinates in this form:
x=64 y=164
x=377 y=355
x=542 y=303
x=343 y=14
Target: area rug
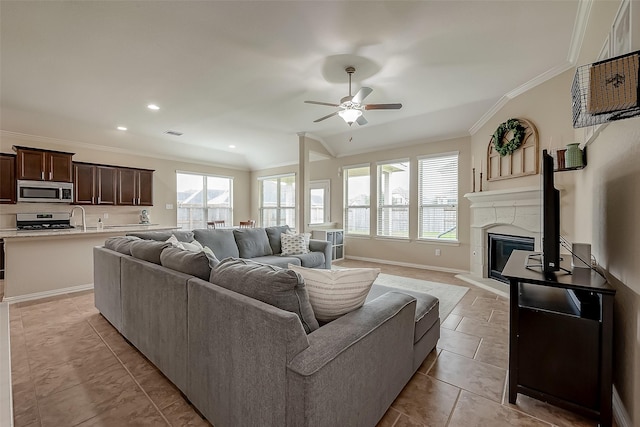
x=449 y=295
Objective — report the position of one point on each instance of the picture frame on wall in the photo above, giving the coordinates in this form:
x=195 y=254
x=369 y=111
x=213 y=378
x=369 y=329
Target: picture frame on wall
x=621 y=30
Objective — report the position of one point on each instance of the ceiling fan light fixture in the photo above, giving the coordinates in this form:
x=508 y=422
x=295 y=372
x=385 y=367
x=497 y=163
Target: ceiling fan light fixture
x=350 y=115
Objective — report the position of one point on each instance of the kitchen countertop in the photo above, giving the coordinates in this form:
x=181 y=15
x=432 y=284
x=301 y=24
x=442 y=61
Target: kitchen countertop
x=109 y=229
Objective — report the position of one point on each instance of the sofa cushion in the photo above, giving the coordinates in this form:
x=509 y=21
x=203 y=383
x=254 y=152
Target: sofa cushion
x=121 y=244
x=273 y=233
x=197 y=264
x=148 y=250
x=279 y=287
x=311 y=260
x=294 y=244
x=277 y=260
x=163 y=235
x=252 y=242
x=427 y=308
x=221 y=242
x=334 y=293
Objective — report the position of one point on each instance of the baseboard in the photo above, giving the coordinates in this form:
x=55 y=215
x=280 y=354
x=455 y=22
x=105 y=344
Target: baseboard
x=6 y=397
x=46 y=294
x=620 y=414
x=406 y=264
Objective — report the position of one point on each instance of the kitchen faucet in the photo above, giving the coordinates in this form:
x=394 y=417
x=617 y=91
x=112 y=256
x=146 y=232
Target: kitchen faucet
x=84 y=216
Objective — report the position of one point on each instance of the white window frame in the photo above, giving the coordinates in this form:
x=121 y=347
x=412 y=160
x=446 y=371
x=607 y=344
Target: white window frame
x=453 y=207
x=280 y=210
x=205 y=207
x=345 y=174
x=406 y=207
x=324 y=185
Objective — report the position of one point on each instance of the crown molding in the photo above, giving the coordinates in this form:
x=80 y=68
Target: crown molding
x=577 y=36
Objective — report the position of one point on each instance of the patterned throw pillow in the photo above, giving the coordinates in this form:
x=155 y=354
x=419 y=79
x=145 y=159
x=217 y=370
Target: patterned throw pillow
x=294 y=244
x=334 y=293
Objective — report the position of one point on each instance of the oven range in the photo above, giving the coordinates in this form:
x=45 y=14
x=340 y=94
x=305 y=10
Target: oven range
x=43 y=221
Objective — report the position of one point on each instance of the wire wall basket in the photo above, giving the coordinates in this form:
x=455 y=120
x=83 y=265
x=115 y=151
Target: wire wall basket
x=606 y=91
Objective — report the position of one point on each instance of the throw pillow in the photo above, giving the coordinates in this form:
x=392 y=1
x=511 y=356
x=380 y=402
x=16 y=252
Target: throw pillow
x=194 y=246
x=294 y=244
x=334 y=293
x=276 y=286
x=252 y=242
x=274 y=237
x=197 y=264
x=163 y=235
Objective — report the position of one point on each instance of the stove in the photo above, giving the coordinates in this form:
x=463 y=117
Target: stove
x=43 y=221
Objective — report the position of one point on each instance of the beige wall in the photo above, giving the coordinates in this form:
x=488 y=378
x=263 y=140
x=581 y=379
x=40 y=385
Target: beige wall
x=164 y=184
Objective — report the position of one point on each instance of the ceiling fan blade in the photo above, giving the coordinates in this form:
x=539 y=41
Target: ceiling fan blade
x=361 y=121
x=325 y=117
x=362 y=94
x=322 y=103
x=383 y=106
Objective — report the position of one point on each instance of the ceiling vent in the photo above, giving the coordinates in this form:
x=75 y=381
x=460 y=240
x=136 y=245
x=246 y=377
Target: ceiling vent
x=174 y=133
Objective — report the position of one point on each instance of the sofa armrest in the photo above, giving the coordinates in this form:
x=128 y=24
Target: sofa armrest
x=361 y=360
x=325 y=247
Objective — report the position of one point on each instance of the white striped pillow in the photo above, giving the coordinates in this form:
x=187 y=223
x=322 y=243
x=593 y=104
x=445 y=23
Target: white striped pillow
x=334 y=293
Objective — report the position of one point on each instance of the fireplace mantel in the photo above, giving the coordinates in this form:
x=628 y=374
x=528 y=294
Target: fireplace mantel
x=513 y=211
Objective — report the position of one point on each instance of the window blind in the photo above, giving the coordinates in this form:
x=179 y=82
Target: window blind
x=438 y=197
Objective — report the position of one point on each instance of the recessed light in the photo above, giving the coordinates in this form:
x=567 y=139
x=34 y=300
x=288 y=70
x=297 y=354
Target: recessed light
x=153 y=107
x=232 y=146
x=122 y=128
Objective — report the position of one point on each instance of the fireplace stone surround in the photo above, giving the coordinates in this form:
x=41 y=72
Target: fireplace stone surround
x=513 y=211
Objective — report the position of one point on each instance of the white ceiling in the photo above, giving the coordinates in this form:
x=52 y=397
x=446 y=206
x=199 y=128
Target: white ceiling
x=237 y=72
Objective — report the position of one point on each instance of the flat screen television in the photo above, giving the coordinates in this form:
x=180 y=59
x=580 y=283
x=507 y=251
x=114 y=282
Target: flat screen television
x=550 y=218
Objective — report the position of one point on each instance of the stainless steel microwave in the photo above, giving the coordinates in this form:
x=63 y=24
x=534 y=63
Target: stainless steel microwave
x=45 y=191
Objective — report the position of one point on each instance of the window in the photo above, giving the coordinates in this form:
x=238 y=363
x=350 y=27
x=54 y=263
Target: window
x=319 y=197
x=278 y=200
x=438 y=197
x=203 y=198
x=393 y=199
x=357 y=211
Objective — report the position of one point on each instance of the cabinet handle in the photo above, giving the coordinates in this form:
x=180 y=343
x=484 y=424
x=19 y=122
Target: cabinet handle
x=42 y=175
x=50 y=176
x=98 y=199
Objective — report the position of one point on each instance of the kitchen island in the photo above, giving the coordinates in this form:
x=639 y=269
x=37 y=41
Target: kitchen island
x=46 y=263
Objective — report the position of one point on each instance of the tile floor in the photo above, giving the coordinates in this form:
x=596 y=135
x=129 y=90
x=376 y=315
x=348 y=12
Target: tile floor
x=71 y=368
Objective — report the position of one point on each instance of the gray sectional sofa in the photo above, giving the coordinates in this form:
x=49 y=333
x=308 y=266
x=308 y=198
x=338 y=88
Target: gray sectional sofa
x=259 y=244
x=243 y=362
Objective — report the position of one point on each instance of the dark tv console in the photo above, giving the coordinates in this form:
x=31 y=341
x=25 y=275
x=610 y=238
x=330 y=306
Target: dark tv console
x=560 y=338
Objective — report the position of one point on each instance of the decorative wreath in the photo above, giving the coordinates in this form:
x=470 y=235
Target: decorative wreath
x=509 y=146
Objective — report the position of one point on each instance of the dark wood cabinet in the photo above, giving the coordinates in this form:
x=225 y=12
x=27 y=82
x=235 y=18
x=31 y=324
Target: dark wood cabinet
x=106 y=184
x=135 y=187
x=7 y=178
x=560 y=338
x=111 y=185
x=84 y=184
x=43 y=165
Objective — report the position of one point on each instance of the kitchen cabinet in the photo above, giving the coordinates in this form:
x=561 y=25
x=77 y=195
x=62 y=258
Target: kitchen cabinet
x=7 y=178
x=43 y=165
x=94 y=184
x=135 y=187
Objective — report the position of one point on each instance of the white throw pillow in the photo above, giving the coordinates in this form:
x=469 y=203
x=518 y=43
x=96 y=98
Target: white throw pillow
x=334 y=293
x=193 y=246
x=294 y=244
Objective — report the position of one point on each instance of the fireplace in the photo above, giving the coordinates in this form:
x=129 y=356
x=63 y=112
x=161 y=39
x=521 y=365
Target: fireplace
x=500 y=247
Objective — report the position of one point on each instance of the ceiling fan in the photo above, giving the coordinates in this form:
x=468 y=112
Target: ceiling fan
x=352 y=106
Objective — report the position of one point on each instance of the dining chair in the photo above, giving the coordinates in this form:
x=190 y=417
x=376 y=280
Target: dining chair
x=248 y=224
x=215 y=224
